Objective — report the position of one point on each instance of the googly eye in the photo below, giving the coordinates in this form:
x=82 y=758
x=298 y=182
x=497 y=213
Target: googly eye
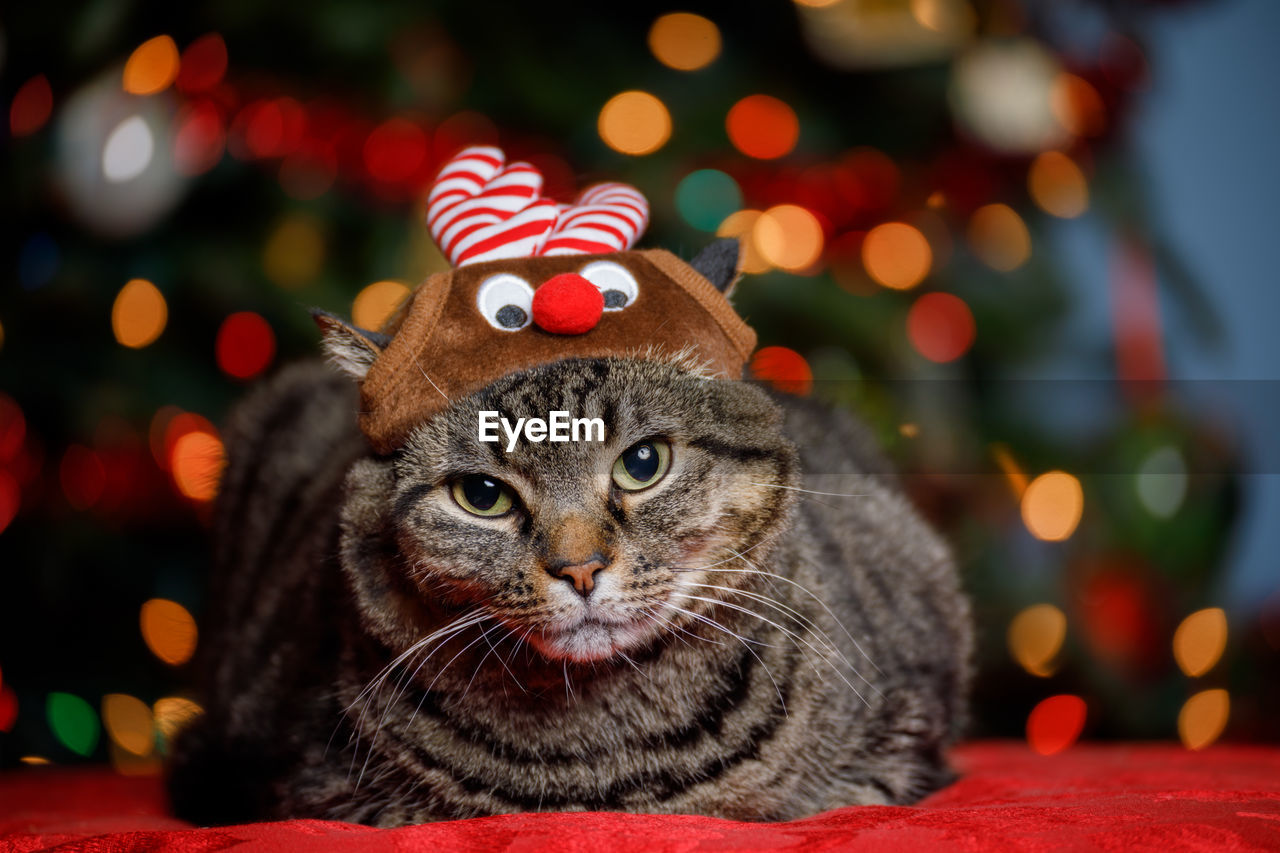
x=615 y=281
x=506 y=302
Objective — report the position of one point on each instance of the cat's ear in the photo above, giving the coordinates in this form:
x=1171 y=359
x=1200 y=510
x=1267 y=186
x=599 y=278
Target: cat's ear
x=718 y=263
x=350 y=347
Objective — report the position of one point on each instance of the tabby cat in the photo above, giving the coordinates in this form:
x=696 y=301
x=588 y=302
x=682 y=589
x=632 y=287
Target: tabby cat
x=673 y=620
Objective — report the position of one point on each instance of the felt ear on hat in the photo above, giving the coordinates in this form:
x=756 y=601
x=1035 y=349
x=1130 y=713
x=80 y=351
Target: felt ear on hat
x=351 y=348
x=718 y=263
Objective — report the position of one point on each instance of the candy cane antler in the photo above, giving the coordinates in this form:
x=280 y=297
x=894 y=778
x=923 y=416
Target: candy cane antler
x=482 y=209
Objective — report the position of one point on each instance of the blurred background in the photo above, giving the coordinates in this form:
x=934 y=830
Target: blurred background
x=1031 y=243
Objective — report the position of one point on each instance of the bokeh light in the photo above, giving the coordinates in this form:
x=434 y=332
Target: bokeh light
x=784 y=369
x=941 y=327
x=789 y=237
x=128 y=722
x=1077 y=106
x=999 y=237
x=203 y=64
x=128 y=150
x=1052 y=506
x=1057 y=185
x=762 y=127
x=245 y=345
x=706 y=197
x=684 y=41
x=374 y=304
x=742 y=224
x=1200 y=640
x=896 y=255
x=1035 y=637
x=31 y=107
x=201 y=138
x=634 y=123
x=73 y=722
x=395 y=150
x=34 y=760
x=139 y=314
x=196 y=464
x=1203 y=718
x=172 y=714
x=170 y=424
x=151 y=67
x=10 y=498
x=1055 y=723
x=83 y=476
x=8 y=708
x=294 y=252
x=309 y=172
x=168 y=630
x=1162 y=482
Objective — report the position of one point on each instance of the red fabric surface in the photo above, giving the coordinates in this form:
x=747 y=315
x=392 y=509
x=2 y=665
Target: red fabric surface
x=1148 y=797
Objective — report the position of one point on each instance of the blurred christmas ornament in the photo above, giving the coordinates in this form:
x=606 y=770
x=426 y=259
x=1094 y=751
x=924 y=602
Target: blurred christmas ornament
x=856 y=34
x=114 y=158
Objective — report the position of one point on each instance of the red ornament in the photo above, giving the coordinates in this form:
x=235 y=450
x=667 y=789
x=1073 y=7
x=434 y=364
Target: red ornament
x=567 y=304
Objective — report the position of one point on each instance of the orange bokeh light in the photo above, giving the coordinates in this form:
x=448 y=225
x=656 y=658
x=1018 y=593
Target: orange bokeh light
x=1058 y=186
x=684 y=41
x=139 y=314
x=151 y=67
x=196 y=464
x=1052 y=506
x=168 y=630
x=1077 y=106
x=634 y=123
x=784 y=369
x=129 y=722
x=1035 y=636
x=1055 y=723
x=940 y=326
x=375 y=304
x=999 y=237
x=789 y=237
x=762 y=127
x=31 y=107
x=741 y=224
x=245 y=345
x=897 y=255
x=1199 y=641
x=1203 y=718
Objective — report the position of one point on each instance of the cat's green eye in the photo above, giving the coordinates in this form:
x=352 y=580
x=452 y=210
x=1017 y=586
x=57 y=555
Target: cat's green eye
x=482 y=495
x=641 y=465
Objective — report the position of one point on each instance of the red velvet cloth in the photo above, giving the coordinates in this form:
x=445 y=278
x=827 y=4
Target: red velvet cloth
x=1112 y=797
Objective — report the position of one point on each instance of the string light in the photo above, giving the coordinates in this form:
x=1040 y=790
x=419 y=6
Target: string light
x=294 y=251
x=789 y=237
x=941 y=327
x=684 y=41
x=762 y=127
x=245 y=345
x=151 y=67
x=1057 y=185
x=395 y=150
x=1052 y=506
x=634 y=123
x=129 y=723
x=31 y=107
x=742 y=224
x=374 y=305
x=201 y=138
x=168 y=630
x=203 y=64
x=1199 y=641
x=73 y=722
x=1055 y=723
x=1035 y=637
x=999 y=237
x=196 y=465
x=1203 y=718
x=128 y=150
x=139 y=314
x=173 y=713
x=896 y=255
x=1077 y=105
x=706 y=197
x=784 y=369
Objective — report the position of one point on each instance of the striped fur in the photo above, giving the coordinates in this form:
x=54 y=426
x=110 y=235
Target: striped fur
x=837 y=680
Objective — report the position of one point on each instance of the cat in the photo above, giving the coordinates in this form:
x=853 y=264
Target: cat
x=666 y=621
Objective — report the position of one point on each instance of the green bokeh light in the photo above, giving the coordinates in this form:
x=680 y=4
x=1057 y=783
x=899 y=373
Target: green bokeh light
x=73 y=722
x=705 y=197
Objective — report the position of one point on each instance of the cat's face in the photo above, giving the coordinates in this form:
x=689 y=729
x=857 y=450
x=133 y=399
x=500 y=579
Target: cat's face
x=586 y=549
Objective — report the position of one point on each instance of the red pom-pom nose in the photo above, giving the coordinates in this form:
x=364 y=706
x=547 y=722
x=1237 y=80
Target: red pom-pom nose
x=567 y=304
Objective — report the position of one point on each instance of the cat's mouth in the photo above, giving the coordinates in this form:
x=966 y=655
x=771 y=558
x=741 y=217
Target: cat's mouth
x=595 y=636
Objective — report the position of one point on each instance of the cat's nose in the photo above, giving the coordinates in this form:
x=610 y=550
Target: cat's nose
x=567 y=304
x=581 y=575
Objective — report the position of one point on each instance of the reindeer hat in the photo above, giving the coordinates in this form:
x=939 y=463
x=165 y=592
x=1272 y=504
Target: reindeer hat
x=534 y=282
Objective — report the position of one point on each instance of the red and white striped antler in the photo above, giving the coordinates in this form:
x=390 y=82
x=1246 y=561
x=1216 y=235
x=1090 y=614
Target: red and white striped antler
x=482 y=210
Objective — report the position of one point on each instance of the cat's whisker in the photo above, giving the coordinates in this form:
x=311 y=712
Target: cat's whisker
x=734 y=556
x=812 y=492
x=746 y=644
